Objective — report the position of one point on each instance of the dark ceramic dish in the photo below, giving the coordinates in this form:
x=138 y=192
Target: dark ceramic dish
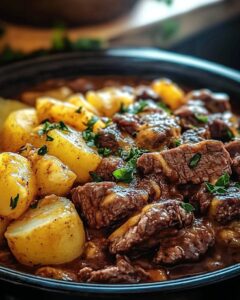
x=125 y=62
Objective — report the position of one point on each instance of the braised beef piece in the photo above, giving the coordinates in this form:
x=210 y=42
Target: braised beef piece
x=188 y=245
x=222 y=126
x=233 y=148
x=157 y=130
x=56 y=273
x=112 y=138
x=158 y=187
x=127 y=122
x=192 y=114
x=201 y=199
x=104 y=203
x=189 y=163
x=226 y=207
x=143 y=92
x=214 y=102
x=122 y=272
x=236 y=166
x=107 y=166
x=195 y=135
x=154 y=218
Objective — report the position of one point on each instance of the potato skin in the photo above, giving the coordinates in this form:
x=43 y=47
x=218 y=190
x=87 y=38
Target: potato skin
x=50 y=234
x=71 y=149
x=56 y=111
x=17 y=128
x=16 y=180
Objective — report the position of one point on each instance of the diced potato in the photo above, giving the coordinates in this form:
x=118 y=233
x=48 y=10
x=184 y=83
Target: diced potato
x=3 y=227
x=230 y=235
x=170 y=93
x=8 y=106
x=30 y=97
x=17 y=128
x=56 y=111
x=17 y=185
x=79 y=101
x=71 y=149
x=52 y=176
x=108 y=101
x=50 y=234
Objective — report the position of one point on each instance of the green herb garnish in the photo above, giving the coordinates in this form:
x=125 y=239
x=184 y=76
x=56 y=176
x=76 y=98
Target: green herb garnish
x=164 y=107
x=63 y=126
x=79 y=110
x=95 y=177
x=14 y=201
x=230 y=134
x=124 y=174
x=194 y=160
x=47 y=126
x=104 y=151
x=177 y=142
x=187 y=207
x=43 y=150
x=49 y=138
x=220 y=187
x=201 y=118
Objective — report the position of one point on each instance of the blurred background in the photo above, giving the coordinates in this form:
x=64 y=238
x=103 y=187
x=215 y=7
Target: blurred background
x=208 y=29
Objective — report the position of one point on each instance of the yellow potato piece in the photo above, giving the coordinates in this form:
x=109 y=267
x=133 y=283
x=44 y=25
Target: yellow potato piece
x=52 y=176
x=50 y=234
x=170 y=93
x=79 y=101
x=17 y=185
x=8 y=106
x=56 y=111
x=108 y=101
x=71 y=149
x=17 y=128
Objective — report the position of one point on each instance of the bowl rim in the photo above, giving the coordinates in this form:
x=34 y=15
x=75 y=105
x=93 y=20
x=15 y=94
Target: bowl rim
x=21 y=278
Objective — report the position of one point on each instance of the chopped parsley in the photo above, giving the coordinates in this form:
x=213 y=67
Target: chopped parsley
x=43 y=150
x=230 y=134
x=62 y=126
x=104 y=151
x=126 y=173
x=47 y=126
x=164 y=107
x=135 y=108
x=177 y=142
x=79 y=110
x=194 y=160
x=49 y=138
x=95 y=177
x=201 y=118
x=220 y=187
x=88 y=135
x=187 y=207
x=14 y=201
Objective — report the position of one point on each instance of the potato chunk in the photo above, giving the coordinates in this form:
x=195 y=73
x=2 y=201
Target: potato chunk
x=79 y=101
x=17 y=128
x=52 y=233
x=170 y=93
x=52 y=176
x=17 y=185
x=71 y=149
x=108 y=101
x=56 y=111
x=3 y=227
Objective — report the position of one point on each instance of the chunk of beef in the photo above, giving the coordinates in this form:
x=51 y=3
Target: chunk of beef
x=107 y=166
x=191 y=113
x=233 y=148
x=143 y=92
x=157 y=130
x=189 y=163
x=195 y=135
x=56 y=273
x=122 y=272
x=127 y=122
x=148 y=224
x=112 y=138
x=188 y=245
x=226 y=207
x=236 y=166
x=104 y=203
x=223 y=126
x=214 y=102
x=201 y=199
x=158 y=187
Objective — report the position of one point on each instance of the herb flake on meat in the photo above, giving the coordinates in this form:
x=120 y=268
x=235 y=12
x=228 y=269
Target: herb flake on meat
x=194 y=161
x=95 y=177
x=187 y=207
x=201 y=118
x=220 y=186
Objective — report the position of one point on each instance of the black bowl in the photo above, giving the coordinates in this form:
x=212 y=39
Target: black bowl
x=147 y=64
